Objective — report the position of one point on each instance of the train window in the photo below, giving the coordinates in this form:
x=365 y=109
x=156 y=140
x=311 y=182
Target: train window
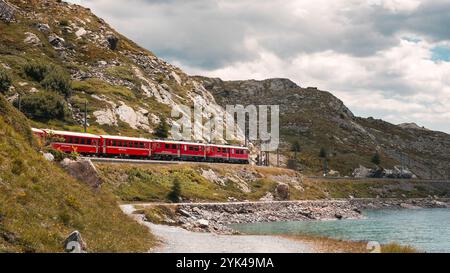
x=142 y=145
x=174 y=146
x=82 y=141
x=218 y=149
x=196 y=148
x=191 y=148
x=167 y=146
x=185 y=147
x=88 y=141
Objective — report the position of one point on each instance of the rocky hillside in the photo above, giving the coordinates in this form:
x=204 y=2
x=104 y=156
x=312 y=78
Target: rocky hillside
x=318 y=120
x=59 y=56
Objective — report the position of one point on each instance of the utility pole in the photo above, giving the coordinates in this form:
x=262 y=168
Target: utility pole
x=19 y=105
x=278 y=157
x=85 y=116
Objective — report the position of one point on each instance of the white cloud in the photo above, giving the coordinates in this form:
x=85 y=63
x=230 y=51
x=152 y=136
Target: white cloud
x=374 y=55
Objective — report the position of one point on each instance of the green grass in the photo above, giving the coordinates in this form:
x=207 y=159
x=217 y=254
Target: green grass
x=159 y=214
x=152 y=183
x=40 y=204
x=397 y=248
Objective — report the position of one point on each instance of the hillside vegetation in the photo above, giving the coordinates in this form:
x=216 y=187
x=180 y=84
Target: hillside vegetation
x=40 y=205
x=206 y=182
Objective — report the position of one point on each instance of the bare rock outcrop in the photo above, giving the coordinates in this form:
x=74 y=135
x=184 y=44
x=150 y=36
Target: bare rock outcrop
x=83 y=170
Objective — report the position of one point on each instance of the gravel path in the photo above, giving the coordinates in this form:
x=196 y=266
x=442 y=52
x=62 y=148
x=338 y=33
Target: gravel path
x=178 y=240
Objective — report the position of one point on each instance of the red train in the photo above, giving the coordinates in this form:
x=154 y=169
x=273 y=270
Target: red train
x=141 y=148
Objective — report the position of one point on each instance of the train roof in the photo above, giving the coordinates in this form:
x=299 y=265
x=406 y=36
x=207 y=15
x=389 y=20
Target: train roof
x=178 y=142
x=34 y=130
x=229 y=146
x=65 y=133
x=126 y=138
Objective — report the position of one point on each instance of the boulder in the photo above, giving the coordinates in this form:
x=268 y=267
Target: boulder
x=7 y=12
x=74 y=243
x=56 y=41
x=44 y=28
x=113 y=41
x=32 y=39
x=80 y=32
x=282 y=191
x=202 y=223
x=49 y=157
x=361 y=172
x=83 y=170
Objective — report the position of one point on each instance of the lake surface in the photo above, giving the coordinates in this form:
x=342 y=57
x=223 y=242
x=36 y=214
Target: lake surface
x=426 y=229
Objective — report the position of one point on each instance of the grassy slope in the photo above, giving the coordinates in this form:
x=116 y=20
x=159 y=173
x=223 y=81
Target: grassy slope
x=40 y=204
x=153 y=183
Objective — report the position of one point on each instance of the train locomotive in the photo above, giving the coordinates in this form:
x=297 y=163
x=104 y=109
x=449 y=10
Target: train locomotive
x=141 y=148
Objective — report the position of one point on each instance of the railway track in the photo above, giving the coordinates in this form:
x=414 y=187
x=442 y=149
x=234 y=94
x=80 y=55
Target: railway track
x=129 y=161
x=337 y=179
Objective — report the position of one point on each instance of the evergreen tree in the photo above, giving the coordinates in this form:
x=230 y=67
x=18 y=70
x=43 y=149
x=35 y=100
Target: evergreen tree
x=376 y=159
x=5 y=81
x=162 y=131
x=323 y=154
x=175 y=192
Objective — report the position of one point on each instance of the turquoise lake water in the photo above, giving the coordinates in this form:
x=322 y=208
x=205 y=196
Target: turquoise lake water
x=426 y=229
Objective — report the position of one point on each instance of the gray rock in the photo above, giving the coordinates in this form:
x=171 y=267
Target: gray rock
x=32 y=39
x=49 y=157
x=56 y=41
x=202 y=223
x=113 y=41
x=7 y=12
x=83 y=170
x=44 y=28
x=74 y=243
x=282 y=191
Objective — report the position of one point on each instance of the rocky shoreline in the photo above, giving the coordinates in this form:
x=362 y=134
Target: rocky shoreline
x=216 y=218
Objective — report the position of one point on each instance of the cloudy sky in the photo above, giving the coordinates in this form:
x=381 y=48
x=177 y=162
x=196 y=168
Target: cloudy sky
x=388 y=59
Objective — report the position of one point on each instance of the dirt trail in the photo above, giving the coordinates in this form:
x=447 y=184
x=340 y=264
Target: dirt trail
x=178 y=240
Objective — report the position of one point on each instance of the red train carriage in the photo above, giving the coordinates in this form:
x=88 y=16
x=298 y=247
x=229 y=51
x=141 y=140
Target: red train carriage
x=125 y=146
x=68 y=142
x=226 y=153
x=178 y=150
x=239 y=155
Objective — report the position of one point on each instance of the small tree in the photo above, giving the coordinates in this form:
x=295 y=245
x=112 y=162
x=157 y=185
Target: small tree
x=162 y=131
x=58 y=81
x=5 y=81
x=324 y=155
x=295 y=148
x=376 y=159
x=36 y=70
x=175 y=192
x=44 y=106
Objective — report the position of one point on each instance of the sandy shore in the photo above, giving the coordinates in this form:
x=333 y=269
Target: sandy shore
x=178 y=240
